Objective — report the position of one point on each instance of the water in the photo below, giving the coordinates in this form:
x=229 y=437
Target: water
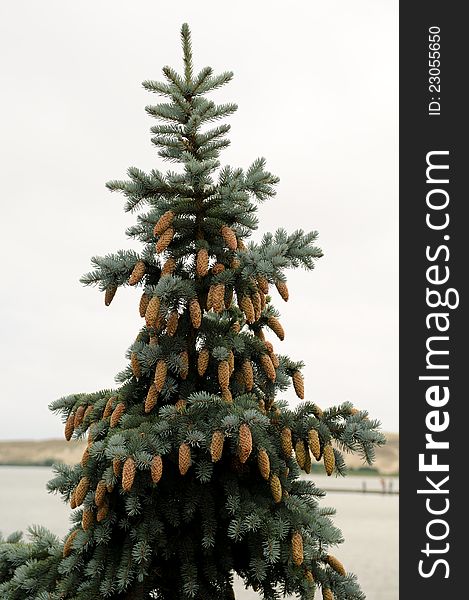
x=369 y=523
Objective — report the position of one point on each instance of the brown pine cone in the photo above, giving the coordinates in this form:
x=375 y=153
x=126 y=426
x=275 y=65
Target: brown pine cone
x=309 y=576
x=180 y=404
x=318 y=413
x=335 y=564
x=226 y=395
x=256 y=303
x=216 y=446
x=185 y=364
x=263 y=284
x=202 y=262
x=172 y=323
x=275 y=360
x=117 y=414
x=116 y=466
x=185 y=459
x=236 y=327
x=137 y=273
x=195 y=313
x=276 y=327
x=327 y=594
x=168 y=267
x=163 y=223
x=235 y=263
x=248 y=309
x=248 y=375
x=100 y=493
x=102 y=513
x=88 y=411
x=282 y=289
x=218 y=297
x=231 y=361
x=160 y=374
x=81 y=490
x=241 y=245
x=152 y=311
x=263 y=462
x=69 y=427
x=143 y=304
x=109 y=294
x=263 y=299
x=202 y=361
x=151 y=399
x=229 y=237
x=67 y=550
x=165 y=239
x=244 y=443
x=228 y=297
x=87 y=519
x=73 y=503
x=276 y=488
x=297 y=548
x=286 y=440
x=223 y=374
x=156 y=468
x=307 y=467
x=300 y=453
x=85 y=457
x=78 y=419
x=268 y=366
x=128 y=474
x=329 y=459
x=260 y=334
x=314 y=443
x=217 y=268
x=298 y=384
x=135 y=365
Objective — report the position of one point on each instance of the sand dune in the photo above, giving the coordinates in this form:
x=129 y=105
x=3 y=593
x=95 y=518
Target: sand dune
x=25 y=452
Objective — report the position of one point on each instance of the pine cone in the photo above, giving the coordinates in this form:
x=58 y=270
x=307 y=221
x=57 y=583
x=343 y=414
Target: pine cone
x=263 y=462
x=248 y=374
x=314 y=443
x=81 y=490
x=88 y=411
x=257 y=305
x=235 y=263
x=217 y=268
x=226 y=395
x=87 y=519
x=156 y=468
x=202 y=361
x=160 y=374
x=309 y=576
x=260 y=335
x=117 y=414
x=172 y=323
x=236 y=327
x=151 y=399
x=244 y=443
x=67 y=550
x=229 y=237
x=180 y=404
x=100 y=493
x=275 y=360
x=327 y=594
x=248 y=309
x=276 y=327
x=165 y=239
x=102 y=513
x=69 y=427
x=195 y=313
x=224 y=374
x=85 y=457
x=298 y=384
x=276 y=488
x=153 y=341
x=329 y=459
x=282 y=289
x=143 y=305
x=168 y=267
x=128 y=474
x=231 y=361
x=228 y=297
x=354 y=411
x=137 y=273
x=300 y=453
x=263 y=299
x=335 y=564
x=73 y=503
x=202 y=262
x=135 y=365
x=109 y=294
x=152 y=311
x=268 y=367
x=185 y=460
x=218 y=297
x=185 y=364
x=78 y=419
x=318 y=413
x=116 y=466
x=263 y=284
x=307 y=467
x=216 y=446
x=241 y=245
x=286 y=441
x=297 y=548
x=163 y=223
x=209 y=301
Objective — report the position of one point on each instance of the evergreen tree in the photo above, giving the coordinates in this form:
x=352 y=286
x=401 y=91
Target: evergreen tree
x=192 y=468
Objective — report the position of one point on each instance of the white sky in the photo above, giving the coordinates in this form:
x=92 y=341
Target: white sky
x=316 y=85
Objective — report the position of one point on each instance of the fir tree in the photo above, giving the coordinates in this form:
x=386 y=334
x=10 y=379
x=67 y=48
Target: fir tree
x=192 y=469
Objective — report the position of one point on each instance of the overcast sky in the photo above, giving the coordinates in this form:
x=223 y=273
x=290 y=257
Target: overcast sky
x=316 y=85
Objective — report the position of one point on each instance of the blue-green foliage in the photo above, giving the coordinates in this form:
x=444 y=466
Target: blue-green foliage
x=183 y=536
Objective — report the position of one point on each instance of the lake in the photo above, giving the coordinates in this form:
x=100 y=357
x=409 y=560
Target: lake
x=369 y=522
